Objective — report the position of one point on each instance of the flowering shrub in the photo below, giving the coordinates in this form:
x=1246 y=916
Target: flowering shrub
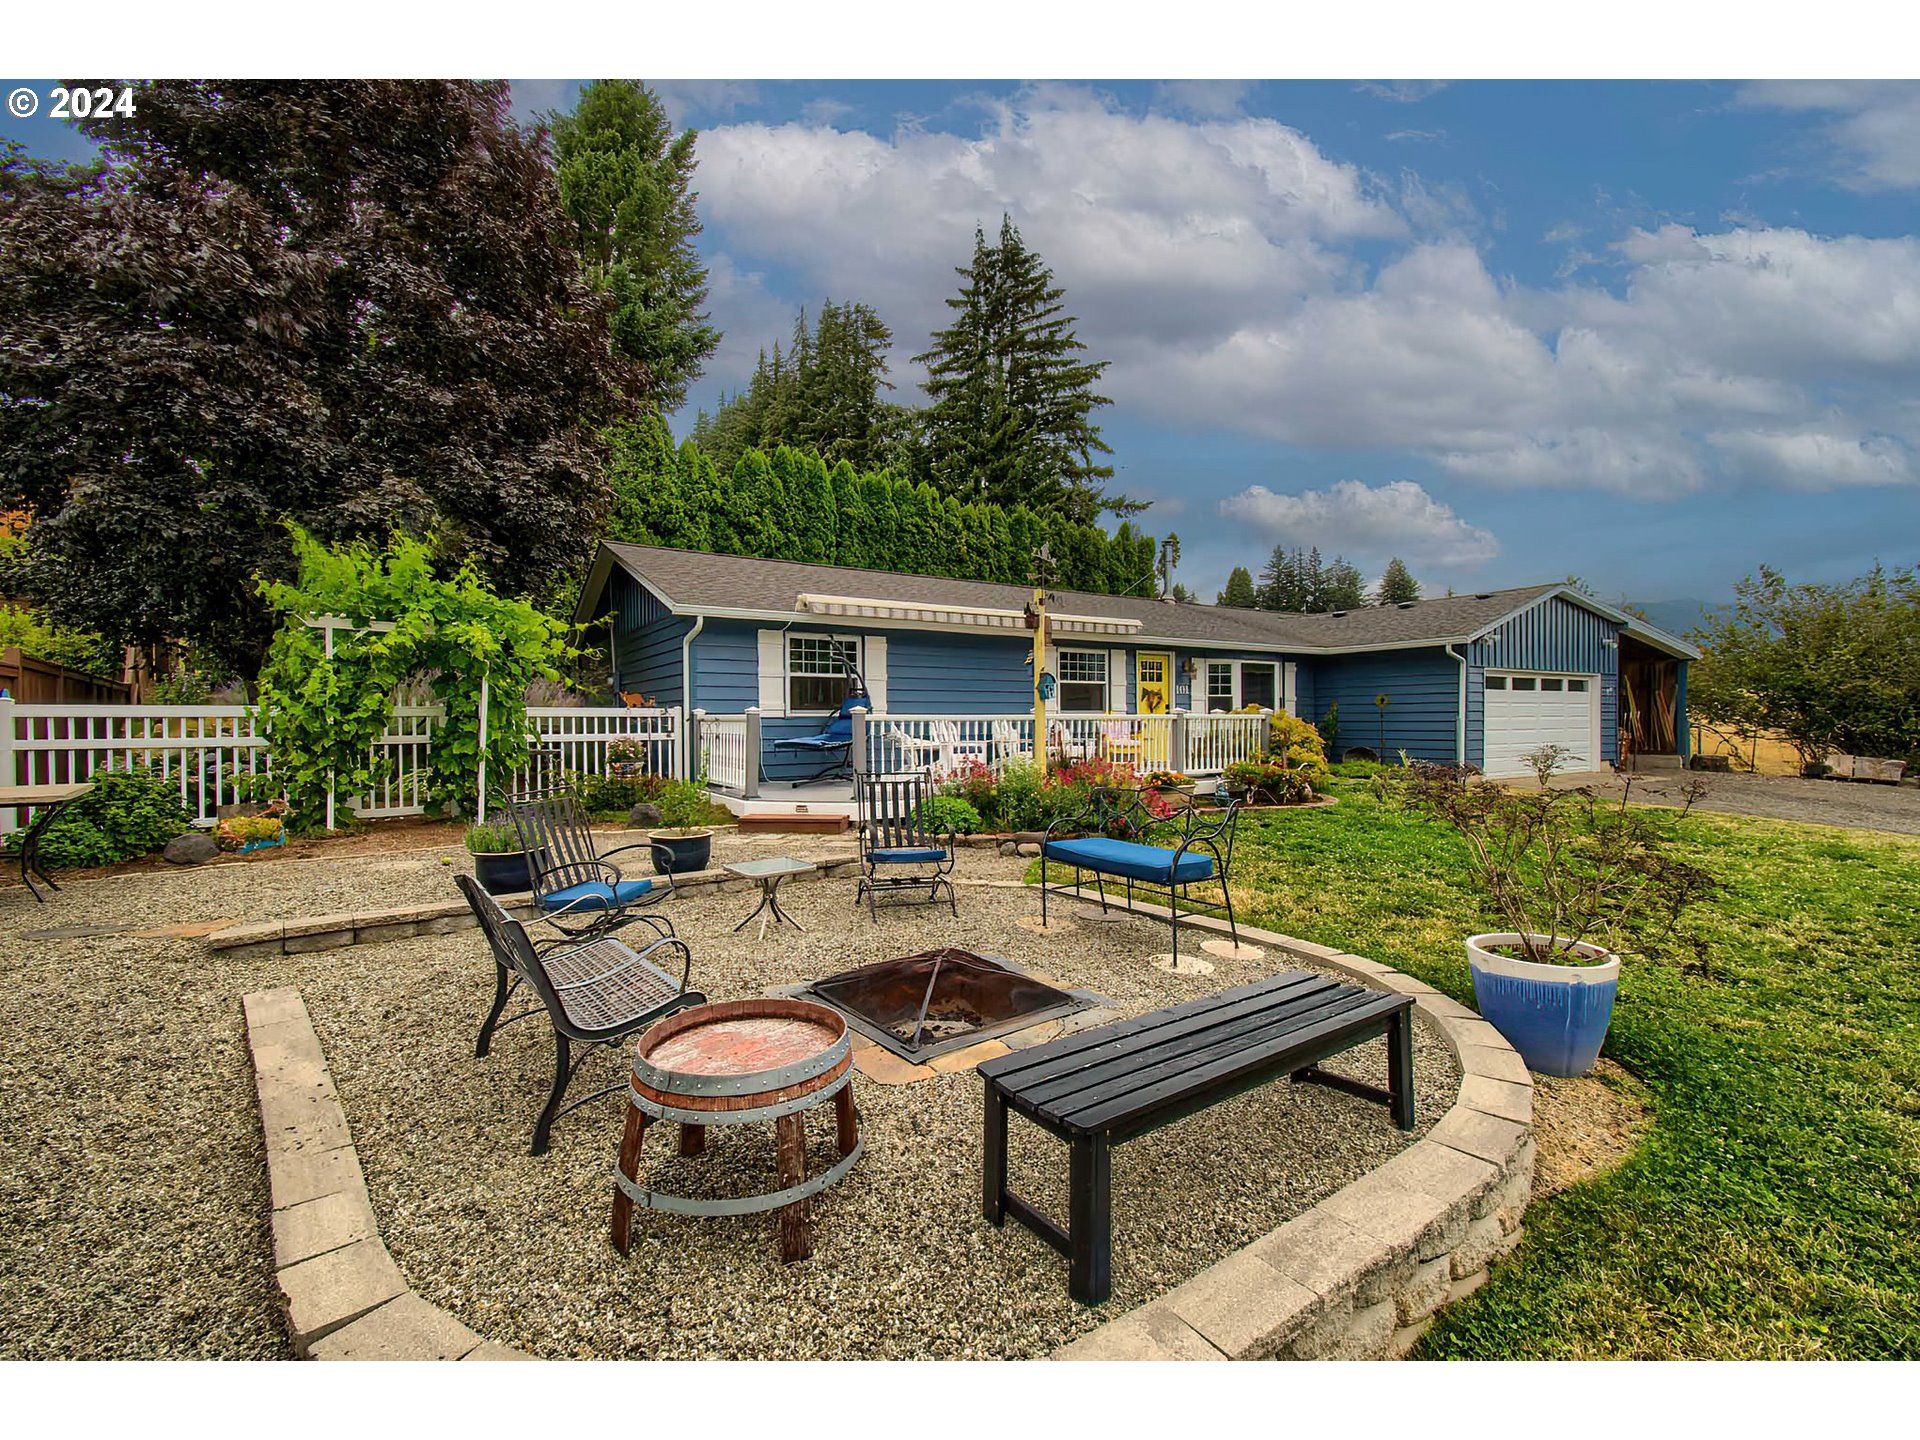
x=1294 y=742
x=1270 y=781
x=237 y=832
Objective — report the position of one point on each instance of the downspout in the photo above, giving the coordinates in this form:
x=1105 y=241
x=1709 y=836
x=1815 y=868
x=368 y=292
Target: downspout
x=1460 y=722
x=686 y=694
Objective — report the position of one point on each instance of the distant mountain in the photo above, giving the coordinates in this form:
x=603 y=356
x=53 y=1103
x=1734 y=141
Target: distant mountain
x=1676 y=617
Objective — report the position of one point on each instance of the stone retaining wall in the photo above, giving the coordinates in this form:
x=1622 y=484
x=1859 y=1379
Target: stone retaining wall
x=1360 y=1275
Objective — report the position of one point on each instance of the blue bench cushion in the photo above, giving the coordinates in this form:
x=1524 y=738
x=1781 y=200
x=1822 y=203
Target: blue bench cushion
x=911 y=855
x=595 y=895
x=1139 y=862
x=815 y=742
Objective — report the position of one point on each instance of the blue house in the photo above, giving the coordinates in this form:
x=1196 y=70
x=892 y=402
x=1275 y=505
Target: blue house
x=1481 y=678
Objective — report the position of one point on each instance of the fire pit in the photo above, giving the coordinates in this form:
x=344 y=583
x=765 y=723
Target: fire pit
x=923 y=1005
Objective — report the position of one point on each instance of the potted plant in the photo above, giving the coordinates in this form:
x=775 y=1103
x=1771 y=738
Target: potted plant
x=1170 y=780
x=626 y=758
x=1576 y=884
x=1269 y=782
x=686 y=844
x=499 y=864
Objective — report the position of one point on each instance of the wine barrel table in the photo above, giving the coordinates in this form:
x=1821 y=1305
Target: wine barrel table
x=731 y=1064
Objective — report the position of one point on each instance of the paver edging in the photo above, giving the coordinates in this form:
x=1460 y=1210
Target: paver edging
x=1360 y=1275
x=345 y=1298
x=305 y=933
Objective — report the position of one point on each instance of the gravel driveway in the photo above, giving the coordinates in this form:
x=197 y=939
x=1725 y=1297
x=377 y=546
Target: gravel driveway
x=135 y=1195
x=1856 y=805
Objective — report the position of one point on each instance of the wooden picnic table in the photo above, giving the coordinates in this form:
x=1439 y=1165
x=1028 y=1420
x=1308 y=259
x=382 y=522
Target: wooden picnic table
x=46 y=801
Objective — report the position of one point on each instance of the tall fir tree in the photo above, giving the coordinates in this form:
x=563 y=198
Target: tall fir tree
x=822 y=393
x=627 y=181
x=1397 y=585
x=1012 y=396
x=1239 y=591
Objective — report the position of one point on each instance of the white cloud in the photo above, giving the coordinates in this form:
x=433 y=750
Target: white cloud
x=1876 y=128
x=1403 y=92
x=1203 y=97
x=1229 y=271
x=1365 y=522
x=1818 y=459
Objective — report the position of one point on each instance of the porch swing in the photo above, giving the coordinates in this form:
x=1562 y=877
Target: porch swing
x=834 y=744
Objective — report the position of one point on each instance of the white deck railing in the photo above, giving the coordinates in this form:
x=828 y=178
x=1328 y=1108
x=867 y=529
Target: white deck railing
x=947 y=744
x=211 y=752
x=722 y=742
x=1217 y=741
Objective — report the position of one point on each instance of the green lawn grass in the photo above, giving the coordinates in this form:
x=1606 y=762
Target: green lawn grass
x=1771 y=1211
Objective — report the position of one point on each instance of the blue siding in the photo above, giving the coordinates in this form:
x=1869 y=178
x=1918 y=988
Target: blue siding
x=726 y=667
x=959 y=674
x=1555 y=635
x=646 y=641
x=1306 y=700
x=1424 y=687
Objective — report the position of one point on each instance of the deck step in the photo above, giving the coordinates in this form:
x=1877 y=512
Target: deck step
x=793 y=823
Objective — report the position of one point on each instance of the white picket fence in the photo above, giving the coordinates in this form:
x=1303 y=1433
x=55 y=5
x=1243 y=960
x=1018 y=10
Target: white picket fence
x=211 y=752
x=1195 y=744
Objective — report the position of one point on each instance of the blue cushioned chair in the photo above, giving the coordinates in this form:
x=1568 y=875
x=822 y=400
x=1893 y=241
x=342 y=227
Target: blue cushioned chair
x=578 y=890
x=901 y=856
x=1113 y=837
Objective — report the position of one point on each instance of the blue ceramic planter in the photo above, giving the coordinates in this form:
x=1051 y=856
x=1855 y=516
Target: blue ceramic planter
x=1556 y=1016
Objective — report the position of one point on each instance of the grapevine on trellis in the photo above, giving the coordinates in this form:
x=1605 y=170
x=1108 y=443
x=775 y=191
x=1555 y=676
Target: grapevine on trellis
x=322 y=713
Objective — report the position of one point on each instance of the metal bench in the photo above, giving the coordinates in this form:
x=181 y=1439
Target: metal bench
x=1102 y=1087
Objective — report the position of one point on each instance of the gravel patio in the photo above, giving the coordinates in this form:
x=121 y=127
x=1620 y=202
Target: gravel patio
x=137 y=1181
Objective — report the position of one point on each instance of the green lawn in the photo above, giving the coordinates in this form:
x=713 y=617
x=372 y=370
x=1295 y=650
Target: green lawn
x=1771 y=1212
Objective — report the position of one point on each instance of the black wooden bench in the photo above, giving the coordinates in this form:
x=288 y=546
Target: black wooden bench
x=1101 y=1087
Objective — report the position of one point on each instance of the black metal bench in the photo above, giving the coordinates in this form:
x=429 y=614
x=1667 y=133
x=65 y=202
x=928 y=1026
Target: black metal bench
x=1101 y=1087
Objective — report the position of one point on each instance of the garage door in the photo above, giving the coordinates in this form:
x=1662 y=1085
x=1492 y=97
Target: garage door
x=1524 y=712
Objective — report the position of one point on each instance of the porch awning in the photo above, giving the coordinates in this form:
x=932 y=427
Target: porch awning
x=970 y=617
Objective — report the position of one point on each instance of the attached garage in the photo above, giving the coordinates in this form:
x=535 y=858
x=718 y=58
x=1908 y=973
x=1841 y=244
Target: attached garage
x=1524 y=711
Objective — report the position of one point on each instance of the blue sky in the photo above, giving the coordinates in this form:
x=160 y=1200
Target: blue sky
x=1655 y=334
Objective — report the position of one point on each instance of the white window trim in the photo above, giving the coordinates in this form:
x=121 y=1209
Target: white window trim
x=1061 y=682
x=852 y=642
x=1236 y=668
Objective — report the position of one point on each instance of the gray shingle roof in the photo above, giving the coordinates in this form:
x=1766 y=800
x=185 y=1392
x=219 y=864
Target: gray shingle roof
x=694 y=581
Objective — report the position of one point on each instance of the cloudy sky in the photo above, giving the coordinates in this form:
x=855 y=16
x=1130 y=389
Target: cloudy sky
x=1651 y=333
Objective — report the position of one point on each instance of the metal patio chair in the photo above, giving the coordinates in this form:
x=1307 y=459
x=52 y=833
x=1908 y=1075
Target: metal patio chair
x=900 y=854
x=578 y=890
x=595 y=990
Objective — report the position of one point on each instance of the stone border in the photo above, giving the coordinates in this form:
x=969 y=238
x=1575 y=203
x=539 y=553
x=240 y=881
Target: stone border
x=1357 y=1276
x=345 y=1298
x=1360 y=1275
x=305 y=933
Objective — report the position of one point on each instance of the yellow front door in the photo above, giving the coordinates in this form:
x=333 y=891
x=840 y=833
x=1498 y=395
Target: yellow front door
x=1153 y=679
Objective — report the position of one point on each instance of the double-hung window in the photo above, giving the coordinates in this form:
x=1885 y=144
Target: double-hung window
x=1236 y=684
x=1083 y=680
x=817 y=672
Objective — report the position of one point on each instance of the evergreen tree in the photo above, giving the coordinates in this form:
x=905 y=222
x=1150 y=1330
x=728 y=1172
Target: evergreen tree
x=626 y=180
x=1280 y=581
x=1012 y=398
x=1239 y=591
x=1342 y=587
x=1397 y=585
x=823 y=393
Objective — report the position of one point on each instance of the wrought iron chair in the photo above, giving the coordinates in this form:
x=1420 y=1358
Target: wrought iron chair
x=596 y=990
x=900 y=853
x=578 y=890
x=1114 y=836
